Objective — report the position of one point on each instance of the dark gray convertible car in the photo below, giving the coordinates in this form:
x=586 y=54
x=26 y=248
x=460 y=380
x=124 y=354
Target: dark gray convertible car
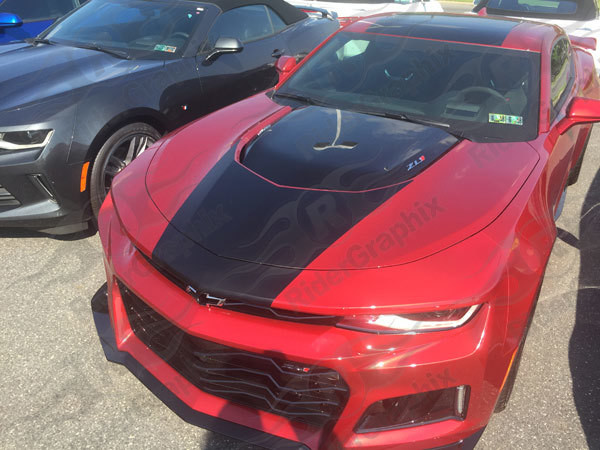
x=83 y=99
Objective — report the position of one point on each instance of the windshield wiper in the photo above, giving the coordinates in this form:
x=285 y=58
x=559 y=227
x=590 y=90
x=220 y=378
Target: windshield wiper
x=300 y=98
x=37 y=40
x=406 y=118
x=397 y=116
x=115 y=53
x=418 y=120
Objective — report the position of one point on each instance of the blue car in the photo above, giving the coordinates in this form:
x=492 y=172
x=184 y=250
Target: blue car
x=22 y=19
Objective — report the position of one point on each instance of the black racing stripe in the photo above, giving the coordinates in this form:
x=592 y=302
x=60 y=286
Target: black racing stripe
x=238 y=233
x=245 y=219
x=233 y=210
x=235 y=213
x=467 y=29
x=192 y=265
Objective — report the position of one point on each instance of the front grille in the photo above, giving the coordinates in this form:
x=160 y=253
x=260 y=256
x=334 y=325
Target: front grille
x=315 y=395
x=7 y=199
x=251 y=307
x=279 y=314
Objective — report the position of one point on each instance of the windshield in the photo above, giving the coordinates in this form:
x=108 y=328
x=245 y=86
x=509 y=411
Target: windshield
x=550 y=9
x=480 y=92
x=138 y=28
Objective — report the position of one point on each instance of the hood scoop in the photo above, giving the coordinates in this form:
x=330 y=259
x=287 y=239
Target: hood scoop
x=330 y=149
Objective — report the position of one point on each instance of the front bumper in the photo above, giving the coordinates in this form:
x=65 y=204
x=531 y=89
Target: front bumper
x=102 y=321
x=374 y=367
x=190 y=415
x=40 y=187
x=40 y=193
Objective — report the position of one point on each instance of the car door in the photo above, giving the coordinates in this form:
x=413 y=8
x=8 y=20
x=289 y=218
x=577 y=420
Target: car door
x=37 y=15
x=176 y=33
x=562 y=80
x=233 y=76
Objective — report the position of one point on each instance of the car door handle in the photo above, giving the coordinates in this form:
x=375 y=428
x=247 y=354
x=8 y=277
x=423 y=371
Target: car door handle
x=277 y=53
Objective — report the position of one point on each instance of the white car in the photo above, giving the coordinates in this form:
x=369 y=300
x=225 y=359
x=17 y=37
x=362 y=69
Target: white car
x=346 y=9
x=576 y=17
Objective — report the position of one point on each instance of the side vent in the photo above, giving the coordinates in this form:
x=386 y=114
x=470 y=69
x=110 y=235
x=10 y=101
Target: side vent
x=42 y=185
x=7 y=199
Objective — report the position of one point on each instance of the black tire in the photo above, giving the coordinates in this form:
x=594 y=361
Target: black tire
x=574 y=174
x=122 y=147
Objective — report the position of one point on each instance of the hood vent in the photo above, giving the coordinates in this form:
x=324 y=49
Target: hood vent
x=330 y=149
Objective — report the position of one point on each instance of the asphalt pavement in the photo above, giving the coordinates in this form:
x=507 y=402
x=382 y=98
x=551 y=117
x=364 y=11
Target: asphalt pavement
x=58 y=390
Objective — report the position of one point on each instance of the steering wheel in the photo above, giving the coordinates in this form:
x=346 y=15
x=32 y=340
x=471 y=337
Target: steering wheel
x=484 y=90
x=389 y=76
x=180 y=34
x=489 y=92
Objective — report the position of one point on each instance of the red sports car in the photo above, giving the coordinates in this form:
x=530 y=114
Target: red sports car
x=352 y=259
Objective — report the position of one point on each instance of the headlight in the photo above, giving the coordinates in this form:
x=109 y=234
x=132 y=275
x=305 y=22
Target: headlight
x=21 y=140
x=410 y=323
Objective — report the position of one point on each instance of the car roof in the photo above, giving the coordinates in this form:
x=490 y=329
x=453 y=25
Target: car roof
x=462 y=28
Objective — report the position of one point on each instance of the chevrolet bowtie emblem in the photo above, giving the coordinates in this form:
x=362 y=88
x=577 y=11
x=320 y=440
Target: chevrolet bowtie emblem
x=203 y=298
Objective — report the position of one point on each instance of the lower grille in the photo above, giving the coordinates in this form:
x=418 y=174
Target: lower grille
x=7 y=199
x=315 y=395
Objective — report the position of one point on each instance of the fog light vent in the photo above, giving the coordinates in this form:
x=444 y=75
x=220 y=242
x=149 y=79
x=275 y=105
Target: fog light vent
x=6 y=198
x=415 y=409
x=40 y=183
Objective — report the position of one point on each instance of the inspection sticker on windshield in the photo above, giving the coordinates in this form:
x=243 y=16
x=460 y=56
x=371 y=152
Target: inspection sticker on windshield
x=165 y=48
x=506 y=119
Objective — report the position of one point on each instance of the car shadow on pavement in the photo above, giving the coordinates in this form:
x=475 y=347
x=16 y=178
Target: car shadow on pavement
x=584 y=347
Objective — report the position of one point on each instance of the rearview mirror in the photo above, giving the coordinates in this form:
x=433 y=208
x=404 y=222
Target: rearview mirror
x=580 y=110
x=225 y=45
x=285 y=64
x=9 y=20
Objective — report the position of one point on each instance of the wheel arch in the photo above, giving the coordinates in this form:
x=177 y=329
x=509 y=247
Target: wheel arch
x=146 y=115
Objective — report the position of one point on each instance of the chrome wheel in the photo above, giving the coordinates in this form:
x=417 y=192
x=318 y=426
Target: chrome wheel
x=117 y=152
x=120 y=156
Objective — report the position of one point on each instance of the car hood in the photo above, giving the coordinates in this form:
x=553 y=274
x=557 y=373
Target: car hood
x=31 y=73
x=324 y=189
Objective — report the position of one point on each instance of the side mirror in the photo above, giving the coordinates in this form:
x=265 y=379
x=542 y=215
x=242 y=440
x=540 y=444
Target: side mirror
x=285 y=64
x=9 y=20
x=580 y=110
x=225 y=45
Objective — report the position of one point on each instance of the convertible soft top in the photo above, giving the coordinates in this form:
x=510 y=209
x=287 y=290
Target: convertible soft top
x=288 y=13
